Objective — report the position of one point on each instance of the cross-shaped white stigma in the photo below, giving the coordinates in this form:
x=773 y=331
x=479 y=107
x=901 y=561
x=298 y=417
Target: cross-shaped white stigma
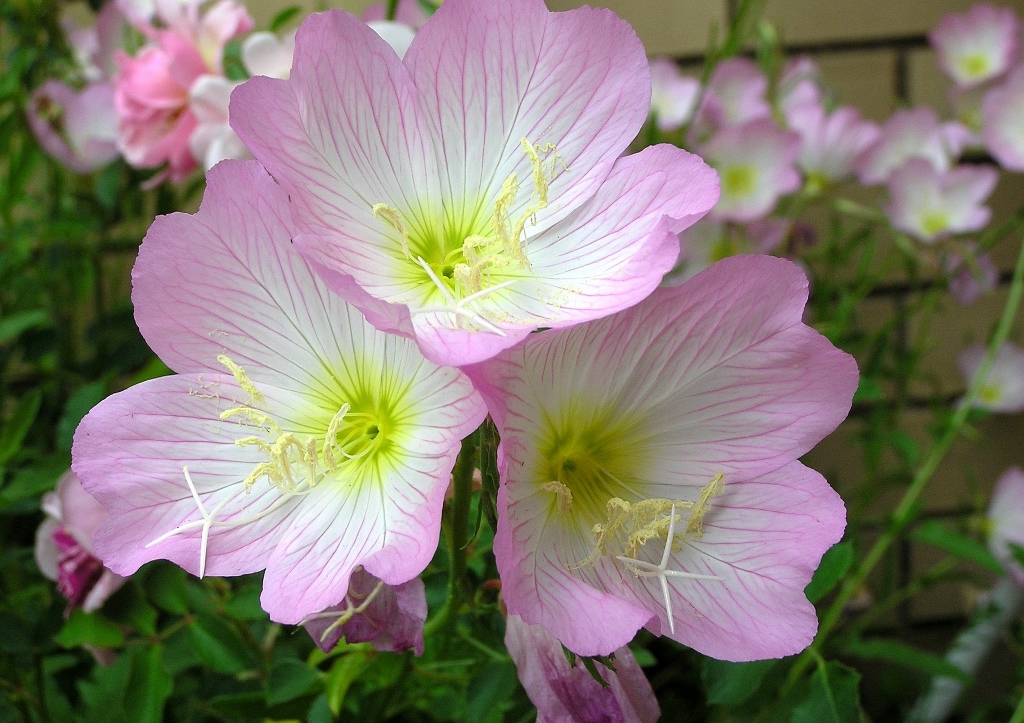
x=458 y=307
x=661 y=571
x=207 y=522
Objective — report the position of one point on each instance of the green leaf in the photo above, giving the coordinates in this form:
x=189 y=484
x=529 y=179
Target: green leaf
x=128 y=607
x=832 y=696
x=149 y=686
x=489 y=688
x=343 y=673
x=18 y=424
x=290 y=679
x=935 y=533
x=245 y=605
x=89 y=629
x=11 y=327
x=167 y=588
x=868 y=390
x=77 y=407
x=33 y=481
x=732 y=683
x=893 y=651
x=834 y=564
x=284 y=17
x=217 y=644
x=1018 y=553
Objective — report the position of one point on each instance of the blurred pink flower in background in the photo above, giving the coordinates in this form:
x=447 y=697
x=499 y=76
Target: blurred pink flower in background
x=735 y=95
x=930 y=204
x=567 y=693
x=388 y=617
x=1006 y=519
x=673 y=95
x=1003 y=121
x=94 y=47
x=911 y=133
x=976 y=46
x=969 y=281
x=671 y=431
x=830 y=143
x=153 y=88
x=64 y=546
x=756 y=167
x=1003 y=389
x=708 y=241
x=799 y=85
x=77 y=128
x=408 y=12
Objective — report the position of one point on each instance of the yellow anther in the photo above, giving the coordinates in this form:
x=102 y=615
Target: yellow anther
x=563 y=496
x=254 y=416
x=695 y=525
x=243 y=380
x=262 y=444
x=390 y=216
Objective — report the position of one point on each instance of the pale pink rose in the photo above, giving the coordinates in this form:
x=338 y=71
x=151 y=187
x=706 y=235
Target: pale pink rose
x=153 y=89
x=212 y=141
x=968 y=282
x=475 y=190
x=736 y=95
x=1003 y=388
x=698 y=400
x=1006 y=516
x=77 y=128
x=756 y=167
x=565 y=693
x=673 y=95
x=388 y=617
x=1003 y=121
x=266 y=54
x=976 y=46
x=912 y=133
x=294 y=437
x=830 y=143
x=930 y=204
x=64 y=546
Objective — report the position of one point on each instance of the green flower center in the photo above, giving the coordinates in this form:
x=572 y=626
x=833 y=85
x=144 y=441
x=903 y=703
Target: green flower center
x=738 y=181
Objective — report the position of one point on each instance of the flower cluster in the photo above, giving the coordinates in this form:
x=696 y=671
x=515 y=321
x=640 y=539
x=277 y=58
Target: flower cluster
x=165 y=104
x=430 y=235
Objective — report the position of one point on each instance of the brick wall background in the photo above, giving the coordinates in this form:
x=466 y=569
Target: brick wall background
x=873 y=54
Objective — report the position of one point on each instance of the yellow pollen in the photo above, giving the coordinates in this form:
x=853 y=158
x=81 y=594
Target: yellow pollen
x=630 y=526
x=563 y=496
x=390 y=216
x=243 y=380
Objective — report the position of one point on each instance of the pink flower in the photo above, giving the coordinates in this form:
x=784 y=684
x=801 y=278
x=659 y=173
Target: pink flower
x=708 y=241
x=913 y=133
x=64 y=546
x=153 y=87
x=649 y=473
x=388 y=617
x=799 y=85
x=266 y=54
x=755 y=163
x=1003 y=121
x=1006 y=516
x=976 y=46
x=474 y=192
x=77 y=128
x=94 y=47
x=213 y=140
x=830 y=143
x=930 y=205
x=969 y=281
x=295 y=437
x=736 y=95
x=565 y=693
x=672 y=95
x=1003 y=389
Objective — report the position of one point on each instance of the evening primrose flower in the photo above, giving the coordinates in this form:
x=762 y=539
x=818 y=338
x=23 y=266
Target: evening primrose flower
x=912 y=133
x=566 y=692
x=673 y=95
x=649 y=473
x=1002 y=121
x=295 y=437
x=1003 y=389
x=755 y=162
x=473 y=191
x=976 y=46
x=931 y=205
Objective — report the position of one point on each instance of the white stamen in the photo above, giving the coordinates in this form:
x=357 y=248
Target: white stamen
x=458 y=307
x=645 y=569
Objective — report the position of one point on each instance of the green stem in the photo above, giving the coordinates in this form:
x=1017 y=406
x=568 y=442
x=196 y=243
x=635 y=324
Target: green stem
x=391 y=10
x=458 y=532
x=1018 y=712
x=907 y=504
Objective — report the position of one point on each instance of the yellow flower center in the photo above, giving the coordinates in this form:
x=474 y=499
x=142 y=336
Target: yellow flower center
x=975 y=65
x=738 y=181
